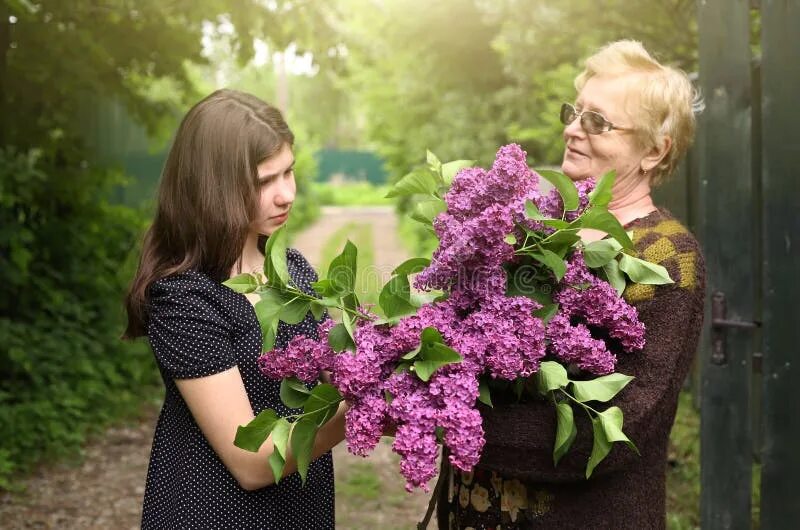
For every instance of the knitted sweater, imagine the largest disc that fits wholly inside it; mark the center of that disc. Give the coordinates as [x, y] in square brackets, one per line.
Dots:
[626, 490]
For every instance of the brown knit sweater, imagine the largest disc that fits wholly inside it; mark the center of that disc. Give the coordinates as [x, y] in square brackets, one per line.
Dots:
[625, 490]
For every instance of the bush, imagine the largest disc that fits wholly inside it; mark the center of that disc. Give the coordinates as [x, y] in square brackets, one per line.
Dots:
[65, 260]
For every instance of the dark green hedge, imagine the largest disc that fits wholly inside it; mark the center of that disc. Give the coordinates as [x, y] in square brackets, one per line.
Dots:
[66, 255]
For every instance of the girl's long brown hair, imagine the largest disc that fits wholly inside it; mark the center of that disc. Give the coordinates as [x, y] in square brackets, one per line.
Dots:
[207, 194]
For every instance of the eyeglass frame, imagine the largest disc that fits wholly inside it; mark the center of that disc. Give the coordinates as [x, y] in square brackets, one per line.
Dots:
[607, 125]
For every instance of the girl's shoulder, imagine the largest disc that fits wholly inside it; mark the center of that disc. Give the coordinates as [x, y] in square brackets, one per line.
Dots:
[187, 284]
[192, 292]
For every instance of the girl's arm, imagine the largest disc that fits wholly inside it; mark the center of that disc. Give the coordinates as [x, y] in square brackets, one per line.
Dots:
[220, 405]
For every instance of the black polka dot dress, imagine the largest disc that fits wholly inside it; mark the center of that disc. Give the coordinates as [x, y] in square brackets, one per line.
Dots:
[198, 327]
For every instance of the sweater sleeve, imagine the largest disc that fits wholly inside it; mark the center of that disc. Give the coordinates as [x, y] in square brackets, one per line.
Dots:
[520, 436]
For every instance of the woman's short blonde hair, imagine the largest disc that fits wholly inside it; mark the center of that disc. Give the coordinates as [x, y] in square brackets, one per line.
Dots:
[663, 102]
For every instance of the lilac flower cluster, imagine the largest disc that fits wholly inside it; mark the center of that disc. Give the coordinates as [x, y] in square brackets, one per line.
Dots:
[496, 335]
[303, 358]
[584, 298]
[482, 209]
[551, 205]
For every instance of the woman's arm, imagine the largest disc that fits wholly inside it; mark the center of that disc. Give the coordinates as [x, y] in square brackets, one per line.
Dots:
[520, 436]
[220, 405]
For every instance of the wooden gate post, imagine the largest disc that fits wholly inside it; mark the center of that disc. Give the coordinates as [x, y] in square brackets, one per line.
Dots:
[780, 82]
[727, 208]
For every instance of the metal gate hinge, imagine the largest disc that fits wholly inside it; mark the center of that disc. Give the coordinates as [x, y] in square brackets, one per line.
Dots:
[719, 325]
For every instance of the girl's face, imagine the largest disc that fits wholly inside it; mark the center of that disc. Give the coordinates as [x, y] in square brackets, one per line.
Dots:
[276, 190]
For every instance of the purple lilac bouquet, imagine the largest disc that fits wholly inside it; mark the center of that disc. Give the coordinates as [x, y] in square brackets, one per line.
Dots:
[516, 297]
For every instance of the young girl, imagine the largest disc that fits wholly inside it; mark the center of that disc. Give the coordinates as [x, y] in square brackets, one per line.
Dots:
[228, 182]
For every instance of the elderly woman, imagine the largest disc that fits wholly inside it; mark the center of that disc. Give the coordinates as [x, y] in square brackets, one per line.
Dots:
[635, 116]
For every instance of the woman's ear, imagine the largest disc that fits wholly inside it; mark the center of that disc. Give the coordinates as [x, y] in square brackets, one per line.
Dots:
[656, 154]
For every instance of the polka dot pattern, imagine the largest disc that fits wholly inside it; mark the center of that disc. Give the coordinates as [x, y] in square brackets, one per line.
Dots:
[199, 327]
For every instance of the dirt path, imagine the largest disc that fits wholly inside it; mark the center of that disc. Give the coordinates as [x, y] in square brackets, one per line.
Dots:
[104, 490]
[389, 251]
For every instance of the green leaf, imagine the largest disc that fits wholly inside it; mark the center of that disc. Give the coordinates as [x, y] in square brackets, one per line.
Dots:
[426, 211]
[546, 312]
[412, 354]
[451, 169]
[560, 242]
[566, 188]
[340, 339]
[277, 463]
[269, 335]
[601, 194]
[267, 310]
[242, 283]
[251, 437]
[601, 219]
[395, 298]
[421, 181]
[598, 253]
[350, 302]
[611, 420]
[532, 211]
[342, 270]
[324, 398]
[411, 266]
[551, 376]
[280, 439]
[600, 389]
[295, 311]
[325, 288]
[275, 268]
[347, 320]
[294, 393]
[566, 431]
[433, 161]
[641, 271]
[433, 358]
[615, 276]
[280, 435]
[304, 433]
[558, 224]
[318, 310]
[600, 447]
[484, 394]
[330, 301]
[430, 336]
[511, 239]
[552, 261]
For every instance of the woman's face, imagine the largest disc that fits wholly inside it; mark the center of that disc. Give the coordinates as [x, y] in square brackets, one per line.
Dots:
[592, 155]
[276, 190]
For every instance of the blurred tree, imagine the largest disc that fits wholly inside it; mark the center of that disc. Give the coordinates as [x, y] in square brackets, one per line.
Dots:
[424, 76]
[65, 249]
[462, 77]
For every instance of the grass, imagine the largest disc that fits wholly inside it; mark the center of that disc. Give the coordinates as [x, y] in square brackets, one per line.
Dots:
[360, 484]
[351, 194]
[370, 492]
[683, 473]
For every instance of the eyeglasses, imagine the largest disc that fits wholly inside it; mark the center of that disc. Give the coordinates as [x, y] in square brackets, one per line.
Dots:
[591, 121]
